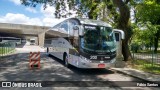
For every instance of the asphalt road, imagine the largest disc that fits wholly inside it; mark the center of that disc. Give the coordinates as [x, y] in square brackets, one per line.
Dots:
[15, 68]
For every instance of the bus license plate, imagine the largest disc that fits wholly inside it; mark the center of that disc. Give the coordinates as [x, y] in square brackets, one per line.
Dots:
[101, 65]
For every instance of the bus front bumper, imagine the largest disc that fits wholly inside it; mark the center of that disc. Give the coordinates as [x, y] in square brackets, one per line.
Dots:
[102, 65]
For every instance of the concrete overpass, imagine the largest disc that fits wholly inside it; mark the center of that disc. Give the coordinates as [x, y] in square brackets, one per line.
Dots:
[23, 31]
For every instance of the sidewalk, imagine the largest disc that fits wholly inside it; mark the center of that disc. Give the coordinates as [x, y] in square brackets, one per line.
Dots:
[138, 74]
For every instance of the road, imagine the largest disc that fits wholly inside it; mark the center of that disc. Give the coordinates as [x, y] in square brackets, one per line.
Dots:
[15, 68]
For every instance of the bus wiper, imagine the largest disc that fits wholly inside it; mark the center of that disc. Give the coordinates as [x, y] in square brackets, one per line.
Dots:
[108, 48]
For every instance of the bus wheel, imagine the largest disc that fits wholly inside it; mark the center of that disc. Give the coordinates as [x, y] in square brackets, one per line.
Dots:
[66, 60]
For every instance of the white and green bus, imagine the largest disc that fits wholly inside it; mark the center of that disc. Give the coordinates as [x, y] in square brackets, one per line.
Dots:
[88, 43]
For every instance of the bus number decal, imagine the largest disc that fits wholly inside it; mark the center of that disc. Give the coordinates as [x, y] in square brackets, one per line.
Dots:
[93, 57]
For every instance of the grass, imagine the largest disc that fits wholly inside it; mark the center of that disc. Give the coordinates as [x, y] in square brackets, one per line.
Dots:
[5, 50]
[147, 66]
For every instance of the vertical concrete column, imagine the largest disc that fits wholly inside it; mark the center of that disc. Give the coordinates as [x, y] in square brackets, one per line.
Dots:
[41, 38]
[36, 41]
[119, 49]
[119, 58]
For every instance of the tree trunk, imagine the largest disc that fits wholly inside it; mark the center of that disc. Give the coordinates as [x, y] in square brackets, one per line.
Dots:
[123, 23]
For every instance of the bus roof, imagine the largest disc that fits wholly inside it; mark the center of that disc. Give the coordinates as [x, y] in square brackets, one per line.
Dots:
[88, 21]
[93, 22]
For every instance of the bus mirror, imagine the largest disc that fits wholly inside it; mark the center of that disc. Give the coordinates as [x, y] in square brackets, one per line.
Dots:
[81, 32]
[0, 39]
[75, 27]
[121, 32]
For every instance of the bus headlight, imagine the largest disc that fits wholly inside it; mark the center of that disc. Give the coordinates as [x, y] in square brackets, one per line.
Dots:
[83, 59]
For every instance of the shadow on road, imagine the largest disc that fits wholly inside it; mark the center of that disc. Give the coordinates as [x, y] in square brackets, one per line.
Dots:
[20, 45]
[15, 68]
[84, 71]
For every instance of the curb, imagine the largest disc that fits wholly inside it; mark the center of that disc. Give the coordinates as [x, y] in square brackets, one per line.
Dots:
[147, 80]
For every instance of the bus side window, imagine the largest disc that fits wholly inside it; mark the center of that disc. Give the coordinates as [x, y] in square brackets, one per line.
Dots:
[48, 41]
[0, 39]
[65, 26]
[75, 43]
[71, 41]
[117, 36]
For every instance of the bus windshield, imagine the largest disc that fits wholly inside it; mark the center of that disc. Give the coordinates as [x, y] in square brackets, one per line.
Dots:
[98, 38]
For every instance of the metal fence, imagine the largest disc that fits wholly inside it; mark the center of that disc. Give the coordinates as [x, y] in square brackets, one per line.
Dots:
[153, 59]
[6, 48]
[146, 59]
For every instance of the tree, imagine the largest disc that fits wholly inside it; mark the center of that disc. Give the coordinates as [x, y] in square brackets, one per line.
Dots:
[143, 34]
[60, 6]
[124, 24]
[149, 11]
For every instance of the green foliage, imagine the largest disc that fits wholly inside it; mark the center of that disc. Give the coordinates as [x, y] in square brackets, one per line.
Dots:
[148, 31]
[91, 8]
[143, 33]
[60, 5]
[149, 10]
[110, 13]
[96, 7]
[147, 66]
[148, 18]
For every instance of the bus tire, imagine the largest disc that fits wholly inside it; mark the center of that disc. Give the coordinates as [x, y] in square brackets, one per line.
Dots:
[65, 59]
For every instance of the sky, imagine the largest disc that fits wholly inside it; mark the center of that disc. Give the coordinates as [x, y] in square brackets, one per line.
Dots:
[11, 11]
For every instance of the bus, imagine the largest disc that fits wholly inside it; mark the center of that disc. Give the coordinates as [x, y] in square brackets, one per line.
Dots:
[32, 41]
[10, 39]
[88, 44]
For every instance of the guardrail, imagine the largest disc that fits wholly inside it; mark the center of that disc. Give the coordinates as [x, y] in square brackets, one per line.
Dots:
[6, 48]
[146, 60]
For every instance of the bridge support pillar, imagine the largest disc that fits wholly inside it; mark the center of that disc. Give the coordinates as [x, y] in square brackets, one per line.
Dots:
[41, 38]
